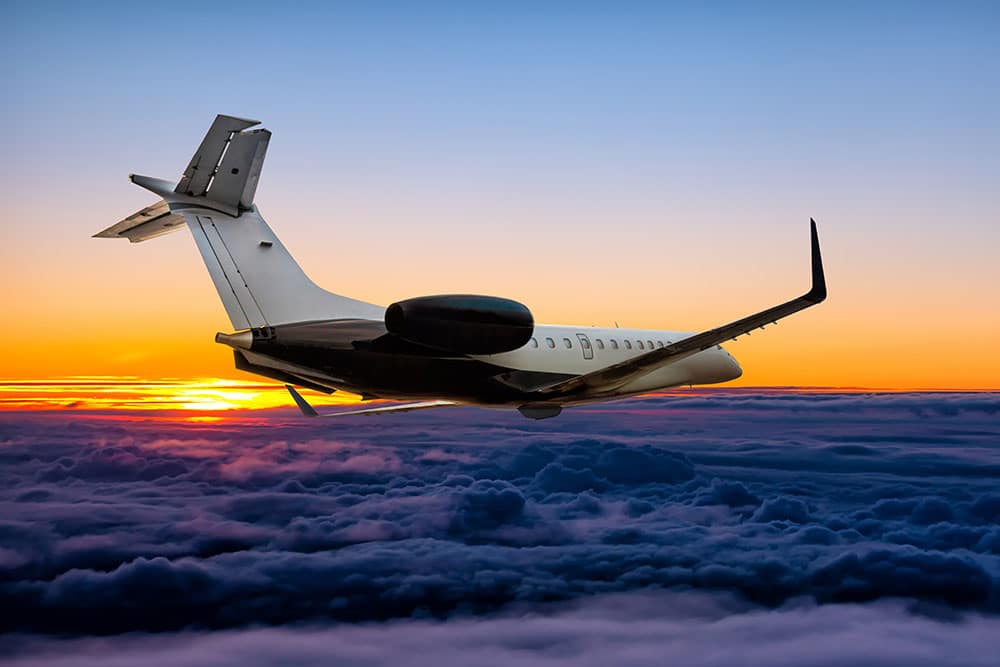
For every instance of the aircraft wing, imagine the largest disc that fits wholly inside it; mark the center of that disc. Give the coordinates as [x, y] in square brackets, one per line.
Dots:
[309, 411]
[617, 375]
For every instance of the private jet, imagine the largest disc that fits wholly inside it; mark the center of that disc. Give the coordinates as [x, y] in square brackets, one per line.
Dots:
[435, 351]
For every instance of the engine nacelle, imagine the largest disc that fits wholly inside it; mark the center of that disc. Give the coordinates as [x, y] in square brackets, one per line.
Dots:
[462, 323]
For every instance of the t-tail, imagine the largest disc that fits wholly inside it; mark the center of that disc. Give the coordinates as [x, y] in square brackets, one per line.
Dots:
[258, 280]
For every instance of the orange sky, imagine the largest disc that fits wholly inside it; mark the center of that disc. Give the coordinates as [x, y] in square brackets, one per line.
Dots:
[83, 306]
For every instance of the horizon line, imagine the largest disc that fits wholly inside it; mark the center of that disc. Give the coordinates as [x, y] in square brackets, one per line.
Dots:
[219, 396]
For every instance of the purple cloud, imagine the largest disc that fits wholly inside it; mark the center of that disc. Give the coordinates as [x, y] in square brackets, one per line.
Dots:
[151, 526]
[631, 630]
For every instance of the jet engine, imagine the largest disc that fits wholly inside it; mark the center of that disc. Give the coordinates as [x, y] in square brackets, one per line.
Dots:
[461, 323]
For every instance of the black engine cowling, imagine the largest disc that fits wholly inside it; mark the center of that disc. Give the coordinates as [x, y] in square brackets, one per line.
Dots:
[462, 323]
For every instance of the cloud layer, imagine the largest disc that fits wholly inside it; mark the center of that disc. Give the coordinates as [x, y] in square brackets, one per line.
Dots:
[626, 629]
[111, 526]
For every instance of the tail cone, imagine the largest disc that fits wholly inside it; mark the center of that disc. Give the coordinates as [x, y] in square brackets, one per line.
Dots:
[241, 340]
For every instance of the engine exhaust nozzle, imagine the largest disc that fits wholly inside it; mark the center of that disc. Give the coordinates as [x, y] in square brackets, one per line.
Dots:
[241, 340]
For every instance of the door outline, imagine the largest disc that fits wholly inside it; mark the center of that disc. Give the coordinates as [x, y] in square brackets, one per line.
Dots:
[585, 345]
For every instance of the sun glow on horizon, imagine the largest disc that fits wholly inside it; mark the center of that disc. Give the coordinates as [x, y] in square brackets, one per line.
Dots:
[202, 395]
[212, 400]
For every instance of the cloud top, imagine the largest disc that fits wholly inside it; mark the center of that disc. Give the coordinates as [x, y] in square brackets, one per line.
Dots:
[149, 526]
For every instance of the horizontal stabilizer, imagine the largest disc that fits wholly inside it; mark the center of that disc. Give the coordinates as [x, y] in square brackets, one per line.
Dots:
[309, 411]
[150, 222]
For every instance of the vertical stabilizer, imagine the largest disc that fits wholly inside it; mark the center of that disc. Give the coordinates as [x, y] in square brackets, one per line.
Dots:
[258, 280]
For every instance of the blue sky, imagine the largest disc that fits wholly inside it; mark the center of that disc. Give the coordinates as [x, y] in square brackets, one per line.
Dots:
[770, 95]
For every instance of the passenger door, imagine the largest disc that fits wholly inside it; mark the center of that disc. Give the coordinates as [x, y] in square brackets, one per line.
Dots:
[588, 350]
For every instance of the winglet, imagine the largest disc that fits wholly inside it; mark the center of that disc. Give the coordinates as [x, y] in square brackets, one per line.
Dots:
[818, 291]
[617, 375]
[307, 410]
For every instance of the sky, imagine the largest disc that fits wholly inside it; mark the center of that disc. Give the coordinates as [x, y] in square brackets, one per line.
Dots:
[652, 164]
[709, 529]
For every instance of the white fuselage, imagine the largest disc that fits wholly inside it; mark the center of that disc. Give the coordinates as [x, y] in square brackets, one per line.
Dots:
[575, 350]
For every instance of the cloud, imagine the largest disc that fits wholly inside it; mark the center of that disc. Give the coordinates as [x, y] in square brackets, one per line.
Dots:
[782, 509]
[631, 630]
[113, 526]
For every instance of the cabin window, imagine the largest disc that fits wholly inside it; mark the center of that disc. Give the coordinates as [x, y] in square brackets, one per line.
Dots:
[614, 344]
[650, 344]
[641, 346]
[628, 345]
[600, 344]
[568, 343]
[585, 343]
[551, 343]
[659, 343]
[534, 343]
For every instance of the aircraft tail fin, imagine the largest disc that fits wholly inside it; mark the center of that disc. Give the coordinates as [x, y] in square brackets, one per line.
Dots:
[258, 280]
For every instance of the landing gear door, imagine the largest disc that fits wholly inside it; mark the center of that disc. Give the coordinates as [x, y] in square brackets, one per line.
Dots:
[588, 350]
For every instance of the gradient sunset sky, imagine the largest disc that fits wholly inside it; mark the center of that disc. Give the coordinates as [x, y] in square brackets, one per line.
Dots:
[651, 164]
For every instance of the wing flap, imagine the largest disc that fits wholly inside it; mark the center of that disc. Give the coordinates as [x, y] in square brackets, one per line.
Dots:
[617, 375]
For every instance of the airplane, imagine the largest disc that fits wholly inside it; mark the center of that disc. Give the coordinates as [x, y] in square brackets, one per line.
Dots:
[437, 351]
